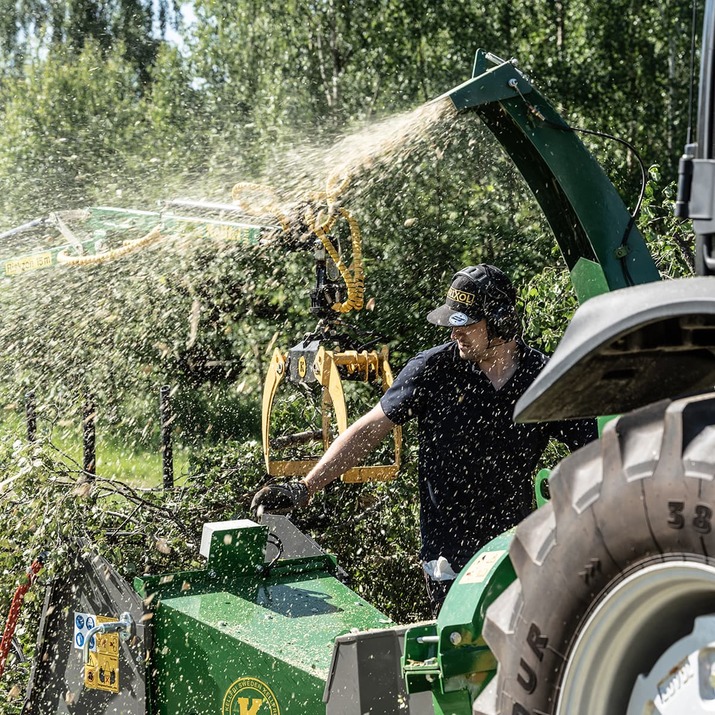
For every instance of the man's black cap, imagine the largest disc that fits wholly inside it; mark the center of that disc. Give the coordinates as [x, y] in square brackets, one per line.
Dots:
[473, 292]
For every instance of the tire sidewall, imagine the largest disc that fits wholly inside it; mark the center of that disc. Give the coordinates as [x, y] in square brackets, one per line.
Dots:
[619, 504]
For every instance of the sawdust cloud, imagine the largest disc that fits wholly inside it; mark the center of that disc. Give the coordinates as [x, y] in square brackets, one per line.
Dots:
[362, 157]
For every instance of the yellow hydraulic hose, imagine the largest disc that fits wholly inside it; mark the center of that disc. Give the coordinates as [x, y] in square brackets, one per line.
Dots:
[259, 198]
[354, 276]
[125, 249]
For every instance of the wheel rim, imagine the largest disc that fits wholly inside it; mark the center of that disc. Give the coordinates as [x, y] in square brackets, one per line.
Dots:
[641, 650]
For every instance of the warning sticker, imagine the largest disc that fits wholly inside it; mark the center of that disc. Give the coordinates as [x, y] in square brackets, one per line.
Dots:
[102, 671]
[480, 568]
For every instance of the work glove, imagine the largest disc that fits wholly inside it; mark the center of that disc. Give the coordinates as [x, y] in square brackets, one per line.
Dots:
[280, 497]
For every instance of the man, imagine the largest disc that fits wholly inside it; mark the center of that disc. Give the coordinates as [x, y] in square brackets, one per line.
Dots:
[475, 464]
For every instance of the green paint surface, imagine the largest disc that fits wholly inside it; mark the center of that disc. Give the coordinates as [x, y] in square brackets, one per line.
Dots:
[278, 632]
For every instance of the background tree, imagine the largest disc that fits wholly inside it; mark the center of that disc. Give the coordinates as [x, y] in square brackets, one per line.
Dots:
[31, 28]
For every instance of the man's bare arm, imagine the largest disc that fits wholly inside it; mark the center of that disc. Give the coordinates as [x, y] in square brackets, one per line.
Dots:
[350, 448]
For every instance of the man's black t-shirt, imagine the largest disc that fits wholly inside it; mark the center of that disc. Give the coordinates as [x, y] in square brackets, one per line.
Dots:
[475, 464]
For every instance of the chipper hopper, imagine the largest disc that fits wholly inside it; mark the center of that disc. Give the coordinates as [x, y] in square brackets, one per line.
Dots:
[266, 627]
[601, 602]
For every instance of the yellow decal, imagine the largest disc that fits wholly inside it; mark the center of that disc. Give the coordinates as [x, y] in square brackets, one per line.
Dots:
[228, 233]
[16, 266]
[102, 671]
[302, 366]
[460, 296]
[249, 696]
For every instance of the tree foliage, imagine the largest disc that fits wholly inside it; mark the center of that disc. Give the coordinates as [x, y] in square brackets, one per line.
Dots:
[98, 109]
[36, 28]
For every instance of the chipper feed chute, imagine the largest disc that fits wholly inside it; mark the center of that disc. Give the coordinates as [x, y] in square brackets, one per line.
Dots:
[78, 670]
[266, 627]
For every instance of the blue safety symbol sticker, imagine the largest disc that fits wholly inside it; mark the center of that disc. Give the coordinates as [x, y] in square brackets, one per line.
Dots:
[83, 624]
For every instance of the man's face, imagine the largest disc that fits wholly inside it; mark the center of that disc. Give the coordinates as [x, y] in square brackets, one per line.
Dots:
[472, 340]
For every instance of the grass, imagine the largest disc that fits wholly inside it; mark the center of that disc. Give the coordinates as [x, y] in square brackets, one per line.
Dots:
[134, 462]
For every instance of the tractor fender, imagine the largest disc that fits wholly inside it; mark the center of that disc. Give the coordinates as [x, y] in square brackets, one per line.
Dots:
[628, 348]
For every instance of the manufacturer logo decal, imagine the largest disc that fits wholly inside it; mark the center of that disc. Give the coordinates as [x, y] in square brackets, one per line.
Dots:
[16, 266]
[302, 366]
[458, 319]
[249, 696]
[460, 296]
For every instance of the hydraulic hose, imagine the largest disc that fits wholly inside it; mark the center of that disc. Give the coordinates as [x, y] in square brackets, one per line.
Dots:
[354, 276]
[14, 613]
[119, 252]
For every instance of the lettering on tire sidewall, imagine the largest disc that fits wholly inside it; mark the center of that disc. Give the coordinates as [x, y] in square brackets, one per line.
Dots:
[698, 517]
[249, 696]
[527, 677]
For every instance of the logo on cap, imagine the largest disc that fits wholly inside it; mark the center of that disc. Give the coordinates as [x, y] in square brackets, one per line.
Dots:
[458, 319]
[460, 296]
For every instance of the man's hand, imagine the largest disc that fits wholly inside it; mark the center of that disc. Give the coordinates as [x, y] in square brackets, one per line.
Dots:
[279, 498]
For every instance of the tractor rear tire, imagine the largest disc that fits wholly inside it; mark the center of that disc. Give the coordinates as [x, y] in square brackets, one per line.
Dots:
[613, 572]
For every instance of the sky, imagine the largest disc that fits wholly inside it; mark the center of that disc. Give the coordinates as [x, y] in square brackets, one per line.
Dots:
[188, 18]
